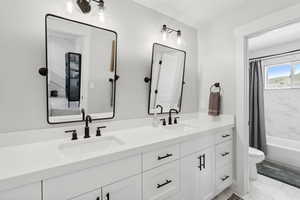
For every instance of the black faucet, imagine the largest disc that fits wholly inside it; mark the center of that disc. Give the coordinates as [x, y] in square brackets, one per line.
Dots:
[161, 108]
[83, 114]
[88, 119]
[170, 115]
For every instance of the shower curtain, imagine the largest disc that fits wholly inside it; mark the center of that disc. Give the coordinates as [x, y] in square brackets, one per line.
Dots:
[257, 128]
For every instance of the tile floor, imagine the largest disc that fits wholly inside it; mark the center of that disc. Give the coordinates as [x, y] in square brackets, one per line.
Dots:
[265, 188]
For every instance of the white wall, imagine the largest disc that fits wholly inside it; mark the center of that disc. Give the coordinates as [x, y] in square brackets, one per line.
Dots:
[22, 50]
[217, 47]
[275, 49]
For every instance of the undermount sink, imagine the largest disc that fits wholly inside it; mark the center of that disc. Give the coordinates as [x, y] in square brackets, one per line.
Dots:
[91, 145]
[178, 128]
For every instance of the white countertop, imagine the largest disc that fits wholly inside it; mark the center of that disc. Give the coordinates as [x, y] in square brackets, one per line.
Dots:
[28, 163]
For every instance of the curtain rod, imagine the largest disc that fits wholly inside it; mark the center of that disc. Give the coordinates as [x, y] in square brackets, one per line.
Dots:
[275, 55]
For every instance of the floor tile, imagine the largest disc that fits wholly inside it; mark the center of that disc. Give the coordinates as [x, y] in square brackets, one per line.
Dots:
[265, 188]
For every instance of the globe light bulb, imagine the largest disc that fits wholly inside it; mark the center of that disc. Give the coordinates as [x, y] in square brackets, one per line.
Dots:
[70, 6]
[101, 15]
[164, 32]
[179, 37]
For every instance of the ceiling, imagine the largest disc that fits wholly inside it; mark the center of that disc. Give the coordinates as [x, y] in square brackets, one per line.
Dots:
[197, 12]
[284, 35]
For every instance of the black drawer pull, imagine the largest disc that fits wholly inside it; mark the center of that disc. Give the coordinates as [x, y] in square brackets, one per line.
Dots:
[164, 184]
[225, 178]
[225, 154]
[202, 162]
[226, 136]
[164, 157]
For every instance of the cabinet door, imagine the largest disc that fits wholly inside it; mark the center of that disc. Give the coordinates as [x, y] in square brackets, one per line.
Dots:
[197, 175]
[127, 189]
[32, 192]
[206, 176]
[95, 195]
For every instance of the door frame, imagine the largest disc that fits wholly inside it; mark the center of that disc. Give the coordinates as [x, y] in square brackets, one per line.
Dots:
[242, 34]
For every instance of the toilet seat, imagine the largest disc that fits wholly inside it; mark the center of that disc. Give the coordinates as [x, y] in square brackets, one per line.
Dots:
[255, 156]
[255, 152]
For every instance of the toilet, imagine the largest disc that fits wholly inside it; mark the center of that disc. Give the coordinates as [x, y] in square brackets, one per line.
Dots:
[255, 156]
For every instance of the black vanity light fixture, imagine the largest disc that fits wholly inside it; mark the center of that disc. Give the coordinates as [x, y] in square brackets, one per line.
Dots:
[167, 30]
[85, 7]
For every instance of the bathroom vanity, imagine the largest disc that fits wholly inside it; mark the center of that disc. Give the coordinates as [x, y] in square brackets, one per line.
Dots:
[191, 160]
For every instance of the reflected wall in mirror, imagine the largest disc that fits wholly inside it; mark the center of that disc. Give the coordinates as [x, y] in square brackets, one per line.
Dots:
[167, 78]
[81, 65]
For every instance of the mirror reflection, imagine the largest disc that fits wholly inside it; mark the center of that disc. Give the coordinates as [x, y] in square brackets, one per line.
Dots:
[81, 63]
[167, 77]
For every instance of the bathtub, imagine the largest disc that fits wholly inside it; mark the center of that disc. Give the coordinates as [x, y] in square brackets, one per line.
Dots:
[284, 151]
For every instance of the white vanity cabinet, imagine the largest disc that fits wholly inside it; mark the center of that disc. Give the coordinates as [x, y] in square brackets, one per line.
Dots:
[30, 192]
[206, 166]
[94, 195]
[197, 167]
[197, 175]
[224, 157]
[161, 173]
[130, 188]
[79, 183]
[162, 183]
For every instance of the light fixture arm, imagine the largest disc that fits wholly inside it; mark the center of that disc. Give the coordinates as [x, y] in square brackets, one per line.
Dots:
[169, 30]
[100, 2]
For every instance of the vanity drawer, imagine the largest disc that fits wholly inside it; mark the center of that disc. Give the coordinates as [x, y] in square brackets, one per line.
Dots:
[224, 154]
[162, 182]
[72, 185]
[224, 136]
[158, 157]
[197, 144]
[223, 178]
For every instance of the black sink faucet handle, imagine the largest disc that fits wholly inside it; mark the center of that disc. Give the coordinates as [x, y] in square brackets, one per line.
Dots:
[164, 123]
[176, 120]
[99, 130]
[74, 134]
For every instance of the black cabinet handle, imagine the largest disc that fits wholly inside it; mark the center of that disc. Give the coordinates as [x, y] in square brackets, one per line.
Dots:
[164, 123]
[225, 178]
[226, 136]
[164, 157]
[107, 196]
[164, 184]
[176, 120]
[202, 162]
[225, 154]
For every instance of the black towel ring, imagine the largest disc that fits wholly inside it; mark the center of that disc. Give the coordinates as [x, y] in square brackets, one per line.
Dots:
[216, 85]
